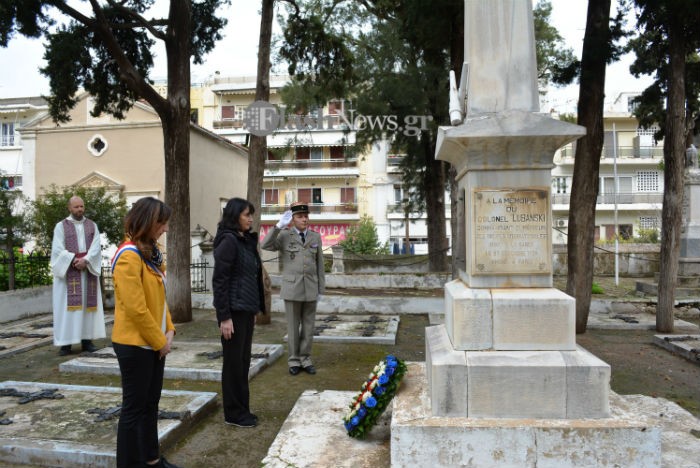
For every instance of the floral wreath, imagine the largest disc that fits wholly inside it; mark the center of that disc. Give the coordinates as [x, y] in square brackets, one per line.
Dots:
[375, 396]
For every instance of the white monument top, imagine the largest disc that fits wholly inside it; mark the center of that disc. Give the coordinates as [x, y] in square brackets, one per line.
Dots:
[499, 45]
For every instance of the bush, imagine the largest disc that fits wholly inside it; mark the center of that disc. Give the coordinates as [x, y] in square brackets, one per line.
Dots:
[647, 236]
[363, 239]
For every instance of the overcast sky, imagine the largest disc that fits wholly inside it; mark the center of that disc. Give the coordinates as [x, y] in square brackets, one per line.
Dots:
[236, 54]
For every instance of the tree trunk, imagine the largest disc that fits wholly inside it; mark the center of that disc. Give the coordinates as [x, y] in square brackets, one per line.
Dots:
[459, 254]
[435, 209]
[258, 144]
[176, 140]
[674, 161]
[584, 188]
[177, 195]
[9, 239]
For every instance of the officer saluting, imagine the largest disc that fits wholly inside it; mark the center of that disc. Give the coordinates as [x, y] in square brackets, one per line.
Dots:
[303, 280]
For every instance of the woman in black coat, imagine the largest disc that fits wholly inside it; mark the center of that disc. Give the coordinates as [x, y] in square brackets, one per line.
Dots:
[238, 296]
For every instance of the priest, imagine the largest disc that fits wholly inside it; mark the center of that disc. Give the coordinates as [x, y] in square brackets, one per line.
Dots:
[76, 259]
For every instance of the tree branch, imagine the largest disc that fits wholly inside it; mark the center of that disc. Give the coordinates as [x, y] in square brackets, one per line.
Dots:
[140, 20]
[128, 72]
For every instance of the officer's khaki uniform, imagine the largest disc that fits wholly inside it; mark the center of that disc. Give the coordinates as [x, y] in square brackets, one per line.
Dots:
[303, 279]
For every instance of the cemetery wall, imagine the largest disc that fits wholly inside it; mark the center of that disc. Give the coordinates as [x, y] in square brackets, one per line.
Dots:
[22, 303]
[635, 260]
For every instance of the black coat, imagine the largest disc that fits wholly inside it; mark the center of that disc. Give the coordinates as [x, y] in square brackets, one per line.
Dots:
[237, 280]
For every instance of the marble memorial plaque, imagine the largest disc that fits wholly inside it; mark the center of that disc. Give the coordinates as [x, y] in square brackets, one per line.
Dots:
[511, 232]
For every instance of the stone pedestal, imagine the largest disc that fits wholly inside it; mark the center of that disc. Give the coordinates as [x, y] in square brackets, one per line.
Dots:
[418, 438]
[514, 384]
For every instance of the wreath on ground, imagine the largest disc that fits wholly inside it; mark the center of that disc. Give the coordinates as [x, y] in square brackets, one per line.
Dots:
[375, 396]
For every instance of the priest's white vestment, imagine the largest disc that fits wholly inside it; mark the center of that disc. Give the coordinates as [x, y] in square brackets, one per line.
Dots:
[72, 326]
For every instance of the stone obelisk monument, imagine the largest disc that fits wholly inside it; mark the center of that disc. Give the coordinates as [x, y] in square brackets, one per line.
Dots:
[505, 383]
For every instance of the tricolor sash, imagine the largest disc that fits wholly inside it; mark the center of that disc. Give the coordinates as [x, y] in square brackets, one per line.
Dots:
[128, 245]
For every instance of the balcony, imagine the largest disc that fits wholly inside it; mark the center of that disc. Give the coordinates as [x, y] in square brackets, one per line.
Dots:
[623, 152]
[228, 123]
[623, 198]
[314, 208]
[395, 208]
[292, 164]
[393, 162]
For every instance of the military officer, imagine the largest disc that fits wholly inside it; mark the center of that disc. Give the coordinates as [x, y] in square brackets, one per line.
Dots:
[303, 280]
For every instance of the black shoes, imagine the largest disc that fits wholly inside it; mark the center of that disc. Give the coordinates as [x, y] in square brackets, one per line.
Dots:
[247, 421]
[294, 370]
[89, 347]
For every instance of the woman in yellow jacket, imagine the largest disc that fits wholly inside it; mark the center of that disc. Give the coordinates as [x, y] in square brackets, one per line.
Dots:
[142, 334]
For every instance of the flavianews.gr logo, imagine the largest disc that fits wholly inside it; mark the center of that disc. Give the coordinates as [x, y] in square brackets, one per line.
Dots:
[262, 118]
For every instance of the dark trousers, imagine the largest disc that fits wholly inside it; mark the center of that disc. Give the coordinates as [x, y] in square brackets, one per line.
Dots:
[142, 381]
[234, 373]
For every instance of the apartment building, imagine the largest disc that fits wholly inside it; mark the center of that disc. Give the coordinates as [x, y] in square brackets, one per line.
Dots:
[312, 157]
[631, 177]
[15, 113]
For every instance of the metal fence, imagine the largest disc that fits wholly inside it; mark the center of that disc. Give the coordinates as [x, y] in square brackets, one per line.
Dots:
[34, 270]
[29, 271]
[198, 277]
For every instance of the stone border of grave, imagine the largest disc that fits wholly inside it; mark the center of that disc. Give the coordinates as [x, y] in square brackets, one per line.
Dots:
[687, 346]
[49, 452]
[386, 338]
[106, 366]
[27, 322]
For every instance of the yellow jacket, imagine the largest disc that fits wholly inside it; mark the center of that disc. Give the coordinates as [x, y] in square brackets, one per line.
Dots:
[139, 296]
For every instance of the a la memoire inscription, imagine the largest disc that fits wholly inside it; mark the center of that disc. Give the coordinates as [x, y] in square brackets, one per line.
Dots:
[511, 232]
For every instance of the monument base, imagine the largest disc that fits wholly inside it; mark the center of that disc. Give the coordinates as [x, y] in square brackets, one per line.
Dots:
[514, 384]
[420, 439]
[515, 319]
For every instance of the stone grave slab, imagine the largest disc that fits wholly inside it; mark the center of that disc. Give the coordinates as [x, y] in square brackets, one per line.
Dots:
[76, 430]
[355, 328]
[188, 360]
[687, 346]
[639, 320]
[313, 435]
[25, 334]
